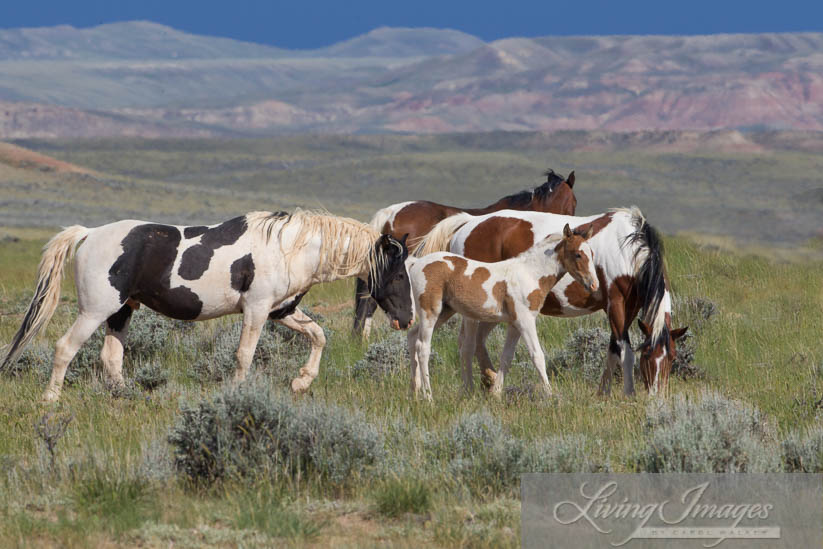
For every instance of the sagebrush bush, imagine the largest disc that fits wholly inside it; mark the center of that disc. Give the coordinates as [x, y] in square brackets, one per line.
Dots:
[149, 333]
[584, 351]
[216, 359]
[150, 376]
[707, 434]
[254, 430]
[384, 357]
[803, 452]
[693, 311]
[480, 453]
[387, 356]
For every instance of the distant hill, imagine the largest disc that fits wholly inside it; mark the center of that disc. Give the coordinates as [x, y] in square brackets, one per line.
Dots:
[128, 40]
[140, 78]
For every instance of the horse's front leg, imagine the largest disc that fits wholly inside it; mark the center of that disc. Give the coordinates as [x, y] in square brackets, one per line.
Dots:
[414, 365]
[254, 318]
[528, 329]
[302, 323]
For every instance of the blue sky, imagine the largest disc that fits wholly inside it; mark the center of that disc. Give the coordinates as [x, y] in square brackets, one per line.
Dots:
[315, 23]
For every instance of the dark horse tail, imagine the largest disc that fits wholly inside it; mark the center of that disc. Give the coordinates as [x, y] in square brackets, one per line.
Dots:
[650, 275]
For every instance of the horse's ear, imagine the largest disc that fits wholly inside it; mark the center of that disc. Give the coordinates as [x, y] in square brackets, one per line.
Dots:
[570, 180]
[644, 328]
[678, 333]
[589, 233]
[567, 232]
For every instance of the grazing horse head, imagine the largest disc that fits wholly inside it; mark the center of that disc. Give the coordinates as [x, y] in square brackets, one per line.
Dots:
[388, 281]
[657, 356]
[575, 255]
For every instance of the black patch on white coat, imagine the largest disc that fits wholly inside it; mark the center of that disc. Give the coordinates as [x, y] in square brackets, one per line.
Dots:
[242, 273]
[117, 321]
[286, 309]
[196, 260]
[143, 272]
[191, 232]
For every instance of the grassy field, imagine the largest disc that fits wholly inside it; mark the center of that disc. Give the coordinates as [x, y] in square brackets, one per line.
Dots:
[379, 469]
[110, 479]
[771, 196]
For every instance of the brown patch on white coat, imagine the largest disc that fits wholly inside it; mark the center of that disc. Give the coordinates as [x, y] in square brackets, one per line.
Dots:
[510, 291]
[629, 266]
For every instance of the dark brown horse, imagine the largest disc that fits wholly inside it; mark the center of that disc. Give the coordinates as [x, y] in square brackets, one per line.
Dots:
[628, 257]
[416, 219]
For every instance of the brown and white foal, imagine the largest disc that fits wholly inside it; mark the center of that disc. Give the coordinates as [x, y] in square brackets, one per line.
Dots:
[509, 291]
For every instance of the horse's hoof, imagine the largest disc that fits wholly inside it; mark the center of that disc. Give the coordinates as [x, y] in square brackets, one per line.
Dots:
[50, 397]
[300, 385]
[487, 378]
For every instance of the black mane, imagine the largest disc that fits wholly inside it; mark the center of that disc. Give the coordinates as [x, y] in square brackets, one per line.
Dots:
[651, 278]
[523, 198]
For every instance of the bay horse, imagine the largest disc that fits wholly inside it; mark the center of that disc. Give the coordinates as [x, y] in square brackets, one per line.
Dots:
[628, 256]
[260, 265]
[509, 291]
[419, 217]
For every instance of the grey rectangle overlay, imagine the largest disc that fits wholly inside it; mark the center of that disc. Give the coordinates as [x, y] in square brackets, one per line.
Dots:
[672, 510]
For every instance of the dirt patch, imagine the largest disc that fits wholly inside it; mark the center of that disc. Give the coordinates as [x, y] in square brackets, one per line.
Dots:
[19, 157]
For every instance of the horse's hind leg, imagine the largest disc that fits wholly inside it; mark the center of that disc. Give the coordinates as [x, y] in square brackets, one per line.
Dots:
[468, 332]
[117, 327]
[67, 346]
[484, 361]
[302, 323]
[512, 337]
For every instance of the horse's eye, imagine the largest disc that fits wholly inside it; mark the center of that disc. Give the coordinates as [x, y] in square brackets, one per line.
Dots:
[578, 255]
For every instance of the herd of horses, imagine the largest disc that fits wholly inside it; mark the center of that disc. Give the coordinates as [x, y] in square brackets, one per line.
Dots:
[524, 255]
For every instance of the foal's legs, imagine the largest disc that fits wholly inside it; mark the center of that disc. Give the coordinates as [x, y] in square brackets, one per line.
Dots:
[512, 336]
[422, 346]
[414, 365]
[67, 346]
[484, 362]
[528, 329]
[468, 329]
[301, 322]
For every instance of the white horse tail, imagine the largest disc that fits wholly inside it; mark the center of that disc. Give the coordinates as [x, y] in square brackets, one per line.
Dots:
[440, 237]
[47, 293]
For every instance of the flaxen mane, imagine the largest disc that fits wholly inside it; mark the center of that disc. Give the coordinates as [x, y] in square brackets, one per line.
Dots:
[333, 230]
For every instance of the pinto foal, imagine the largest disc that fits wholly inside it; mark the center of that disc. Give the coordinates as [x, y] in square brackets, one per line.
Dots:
[509, 291]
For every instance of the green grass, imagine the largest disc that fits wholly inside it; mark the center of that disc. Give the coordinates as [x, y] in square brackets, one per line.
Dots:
[110, 482]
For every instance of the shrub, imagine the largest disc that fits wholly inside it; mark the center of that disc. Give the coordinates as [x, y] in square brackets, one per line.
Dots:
[217, 361]
[384, 357]
[397, 496]
[151, 376]
[804, 453]
[584, 351]
[387, 356]
[255, 430]
[705, 435]
[480, 453]
[693, 311]
[148, 334]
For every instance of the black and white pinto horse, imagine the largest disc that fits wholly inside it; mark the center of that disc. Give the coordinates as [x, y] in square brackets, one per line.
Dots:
[260, 265]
